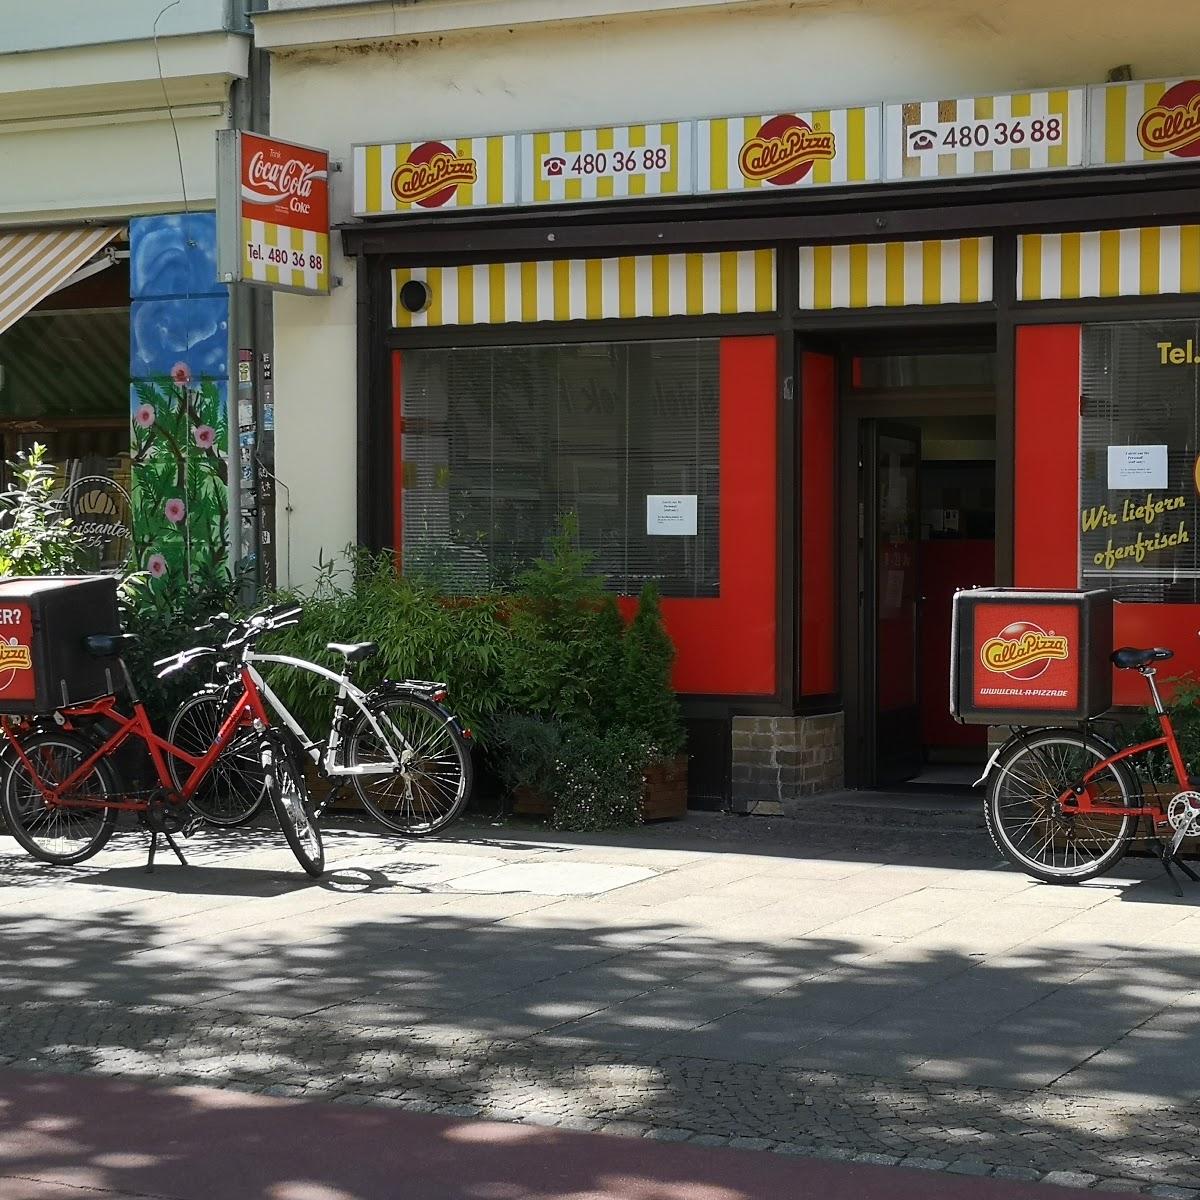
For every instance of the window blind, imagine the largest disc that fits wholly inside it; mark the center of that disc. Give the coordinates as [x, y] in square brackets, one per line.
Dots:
[498, 442]
[1138, 526]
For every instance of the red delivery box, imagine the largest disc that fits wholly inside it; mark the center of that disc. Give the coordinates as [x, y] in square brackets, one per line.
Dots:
[1019, 656]
[43, 621]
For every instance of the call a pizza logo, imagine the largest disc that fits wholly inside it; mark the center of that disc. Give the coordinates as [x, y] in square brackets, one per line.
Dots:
[1172, 126]
[430, 174]
[14, 657]
[1023, 650]
[783, 151]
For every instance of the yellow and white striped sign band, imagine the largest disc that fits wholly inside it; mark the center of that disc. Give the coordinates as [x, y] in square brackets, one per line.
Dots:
[428, 177]
[772, 150]
[1150, 121]
[602, 164]
[285, 257]
[594, 289]
[895, 274]
[1161, 260]
[984, 135]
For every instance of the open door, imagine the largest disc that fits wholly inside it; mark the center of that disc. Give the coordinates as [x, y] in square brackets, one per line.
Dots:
[889, 556]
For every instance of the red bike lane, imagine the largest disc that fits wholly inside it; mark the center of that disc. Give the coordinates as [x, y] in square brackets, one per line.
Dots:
[84, 1137]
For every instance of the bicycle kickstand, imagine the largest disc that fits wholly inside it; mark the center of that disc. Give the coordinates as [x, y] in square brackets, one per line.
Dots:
[1168, 853]
[154, 846]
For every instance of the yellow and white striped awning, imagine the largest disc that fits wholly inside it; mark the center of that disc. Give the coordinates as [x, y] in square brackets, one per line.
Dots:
[1160, 260]
[591, 289]
[896, 274]
[34, 262]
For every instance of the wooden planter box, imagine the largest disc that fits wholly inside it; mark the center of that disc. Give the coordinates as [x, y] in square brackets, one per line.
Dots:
[664, 793]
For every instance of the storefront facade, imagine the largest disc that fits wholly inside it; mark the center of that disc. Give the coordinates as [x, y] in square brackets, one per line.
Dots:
[114, 329]
[808, 355]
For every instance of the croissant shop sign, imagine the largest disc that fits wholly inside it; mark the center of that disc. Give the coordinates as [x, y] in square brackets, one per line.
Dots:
[272, 213]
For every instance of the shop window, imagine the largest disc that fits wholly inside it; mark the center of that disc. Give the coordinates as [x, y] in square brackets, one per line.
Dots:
[64, 382]
[498, 442]
[1139, 465]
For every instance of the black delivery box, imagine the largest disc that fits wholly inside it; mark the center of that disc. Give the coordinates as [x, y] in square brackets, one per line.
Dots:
[1020, 656]
[43, 621]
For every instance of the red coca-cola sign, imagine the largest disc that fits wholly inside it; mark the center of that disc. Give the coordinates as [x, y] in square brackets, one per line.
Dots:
[284, 184]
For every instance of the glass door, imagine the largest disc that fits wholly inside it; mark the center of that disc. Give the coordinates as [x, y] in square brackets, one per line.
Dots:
[891, 462]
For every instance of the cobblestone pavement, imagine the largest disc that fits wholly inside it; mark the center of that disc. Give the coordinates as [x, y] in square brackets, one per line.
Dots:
[831, 988]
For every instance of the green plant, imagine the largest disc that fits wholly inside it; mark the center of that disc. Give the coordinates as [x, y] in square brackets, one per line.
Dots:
[164, 618]
[599, 777]
[552, 618]
[1185, 717]
[420, 633]
[649, 704]
[36, 535]
[528, 751]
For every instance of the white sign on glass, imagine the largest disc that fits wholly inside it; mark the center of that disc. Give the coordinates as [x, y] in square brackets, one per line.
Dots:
[1137, 467]
[671, 516]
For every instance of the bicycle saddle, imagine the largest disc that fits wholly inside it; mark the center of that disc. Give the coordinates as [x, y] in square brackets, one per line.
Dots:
[109, 645]
[354, 651]
[1130, 658]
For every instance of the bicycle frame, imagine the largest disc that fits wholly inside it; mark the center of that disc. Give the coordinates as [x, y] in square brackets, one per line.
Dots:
[248, 710]
[346, 691]
[1081, 798]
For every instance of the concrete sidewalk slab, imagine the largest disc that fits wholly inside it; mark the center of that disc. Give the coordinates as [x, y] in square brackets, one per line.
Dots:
[88, 1138]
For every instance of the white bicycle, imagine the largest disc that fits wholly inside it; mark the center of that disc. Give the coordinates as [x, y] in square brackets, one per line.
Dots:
[404, 752]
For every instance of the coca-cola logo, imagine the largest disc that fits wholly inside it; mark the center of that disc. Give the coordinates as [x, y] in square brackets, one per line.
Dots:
[287, 181]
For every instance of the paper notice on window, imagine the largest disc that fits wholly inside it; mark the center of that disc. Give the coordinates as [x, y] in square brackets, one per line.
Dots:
[671, 516]
[1135, 467]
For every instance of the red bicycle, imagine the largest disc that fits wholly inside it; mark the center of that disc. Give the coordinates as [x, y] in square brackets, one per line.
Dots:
[1064, 804]
[64, 789]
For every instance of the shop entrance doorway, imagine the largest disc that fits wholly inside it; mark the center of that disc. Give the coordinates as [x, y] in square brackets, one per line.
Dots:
[918, 436]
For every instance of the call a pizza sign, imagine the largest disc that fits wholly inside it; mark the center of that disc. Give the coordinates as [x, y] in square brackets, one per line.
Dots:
[1150, 121]
[934, 137]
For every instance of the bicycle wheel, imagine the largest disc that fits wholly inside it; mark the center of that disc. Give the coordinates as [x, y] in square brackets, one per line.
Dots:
[433, 783]
[289, 796]
[53, 833]
[234, 789]
[1030, 827]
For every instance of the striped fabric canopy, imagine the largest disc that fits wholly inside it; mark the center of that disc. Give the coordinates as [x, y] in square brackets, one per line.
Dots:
[34, 262]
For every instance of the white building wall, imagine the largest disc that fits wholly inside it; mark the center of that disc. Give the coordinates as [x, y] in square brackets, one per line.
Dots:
[735, 59]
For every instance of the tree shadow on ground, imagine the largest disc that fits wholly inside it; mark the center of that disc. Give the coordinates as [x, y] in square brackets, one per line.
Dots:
[793, 1013]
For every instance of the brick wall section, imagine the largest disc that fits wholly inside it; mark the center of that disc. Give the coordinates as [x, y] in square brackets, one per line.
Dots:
[778, 759]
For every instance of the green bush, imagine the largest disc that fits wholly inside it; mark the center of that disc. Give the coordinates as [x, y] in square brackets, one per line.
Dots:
[1185, 717]
[649, 704]
[591, 704]
[598, 781]
[36, 535]
[164, 619]
[421, 635]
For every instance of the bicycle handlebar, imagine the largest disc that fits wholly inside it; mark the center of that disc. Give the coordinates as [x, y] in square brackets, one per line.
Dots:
[177, 662]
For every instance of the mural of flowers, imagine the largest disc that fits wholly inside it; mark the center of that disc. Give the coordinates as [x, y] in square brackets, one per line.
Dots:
[180, 500]
[178, 402]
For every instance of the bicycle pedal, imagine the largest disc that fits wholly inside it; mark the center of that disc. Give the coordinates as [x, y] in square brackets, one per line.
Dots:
[193, 826]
